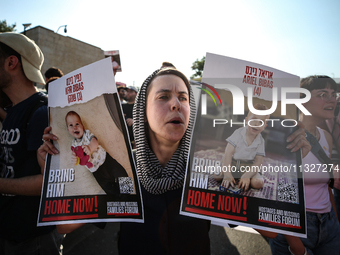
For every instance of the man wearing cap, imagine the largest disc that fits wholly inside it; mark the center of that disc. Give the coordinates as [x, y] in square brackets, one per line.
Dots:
[20, 174]
[122, 94]
[127, 109]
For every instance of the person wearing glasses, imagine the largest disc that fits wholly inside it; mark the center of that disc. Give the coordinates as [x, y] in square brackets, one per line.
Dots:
[323, 229]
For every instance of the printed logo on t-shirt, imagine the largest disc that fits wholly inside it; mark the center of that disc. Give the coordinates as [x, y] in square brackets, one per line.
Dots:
[10, 137]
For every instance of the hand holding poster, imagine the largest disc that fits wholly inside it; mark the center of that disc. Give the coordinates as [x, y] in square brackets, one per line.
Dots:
[93, 178]
[240, 170]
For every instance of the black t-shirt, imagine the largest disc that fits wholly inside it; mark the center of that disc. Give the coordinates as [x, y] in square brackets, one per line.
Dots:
[127, 110]
[18, 158]
[164, 230]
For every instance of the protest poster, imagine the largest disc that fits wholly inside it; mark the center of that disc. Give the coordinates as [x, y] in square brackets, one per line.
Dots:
[93, 178]
[229, 141]
[115, 59]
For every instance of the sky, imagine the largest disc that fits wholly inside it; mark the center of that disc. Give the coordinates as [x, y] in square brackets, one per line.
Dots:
[296, 36]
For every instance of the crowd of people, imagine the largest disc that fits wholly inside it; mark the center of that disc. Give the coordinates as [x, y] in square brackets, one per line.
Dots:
[160, 119]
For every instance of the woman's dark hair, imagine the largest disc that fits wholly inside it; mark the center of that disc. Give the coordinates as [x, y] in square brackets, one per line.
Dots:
[53, 72]
[49, 81]
[173, 71]
[6, 51]
[318, 82]
[166, 64]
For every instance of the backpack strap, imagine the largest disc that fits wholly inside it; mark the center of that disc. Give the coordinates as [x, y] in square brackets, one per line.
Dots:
[42, 100]
[31, 110]
[318, 151]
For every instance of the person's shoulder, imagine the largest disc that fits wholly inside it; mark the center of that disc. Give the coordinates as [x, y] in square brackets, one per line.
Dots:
[88, 134]
[325, 132]
[35, 121]
[38, 96]
[328, 136]
[38, 108]
[87, 131]
[240, 131]
[234, 137]
[39, 113]
[127, 105]
[124, 106]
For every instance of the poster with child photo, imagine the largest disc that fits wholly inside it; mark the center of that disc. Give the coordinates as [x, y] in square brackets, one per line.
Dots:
[93, 178]
[240, 171]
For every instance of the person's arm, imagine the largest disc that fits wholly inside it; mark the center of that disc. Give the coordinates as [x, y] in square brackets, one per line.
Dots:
[331, 198]
[30, 185]
[228, 178]
[297, 140]
[219, 176]
[91, 147]
[24, 186]
[68, 228]
[266, 233]
[329, 140]
[74, 158]
[46, 147]
[129, 122]
[245, 178]
[295, 245]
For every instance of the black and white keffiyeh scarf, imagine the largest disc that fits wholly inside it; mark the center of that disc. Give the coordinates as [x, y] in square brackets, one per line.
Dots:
[155, 178]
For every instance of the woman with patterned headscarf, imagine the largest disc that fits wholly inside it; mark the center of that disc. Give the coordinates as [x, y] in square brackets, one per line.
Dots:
[163, 121]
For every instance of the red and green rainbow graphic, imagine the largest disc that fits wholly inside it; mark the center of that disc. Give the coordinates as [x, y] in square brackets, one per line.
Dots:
[212, 89]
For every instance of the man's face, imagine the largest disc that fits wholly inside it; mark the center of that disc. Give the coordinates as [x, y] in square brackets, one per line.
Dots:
[131, 95]
[122, 94]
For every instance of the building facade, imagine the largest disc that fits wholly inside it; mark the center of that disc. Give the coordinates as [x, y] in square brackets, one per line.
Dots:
[63, 52]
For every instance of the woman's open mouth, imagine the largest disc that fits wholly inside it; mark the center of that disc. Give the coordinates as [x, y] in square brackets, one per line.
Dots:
[176, 121]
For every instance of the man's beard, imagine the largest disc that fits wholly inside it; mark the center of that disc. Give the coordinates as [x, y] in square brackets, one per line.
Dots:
[5, 81]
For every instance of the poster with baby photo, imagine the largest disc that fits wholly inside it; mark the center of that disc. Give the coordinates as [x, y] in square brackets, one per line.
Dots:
[240, 169]
[93, 178]
[115, 60]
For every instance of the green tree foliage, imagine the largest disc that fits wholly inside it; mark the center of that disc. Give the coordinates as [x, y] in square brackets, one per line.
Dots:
[197, 67]
[6, 28]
